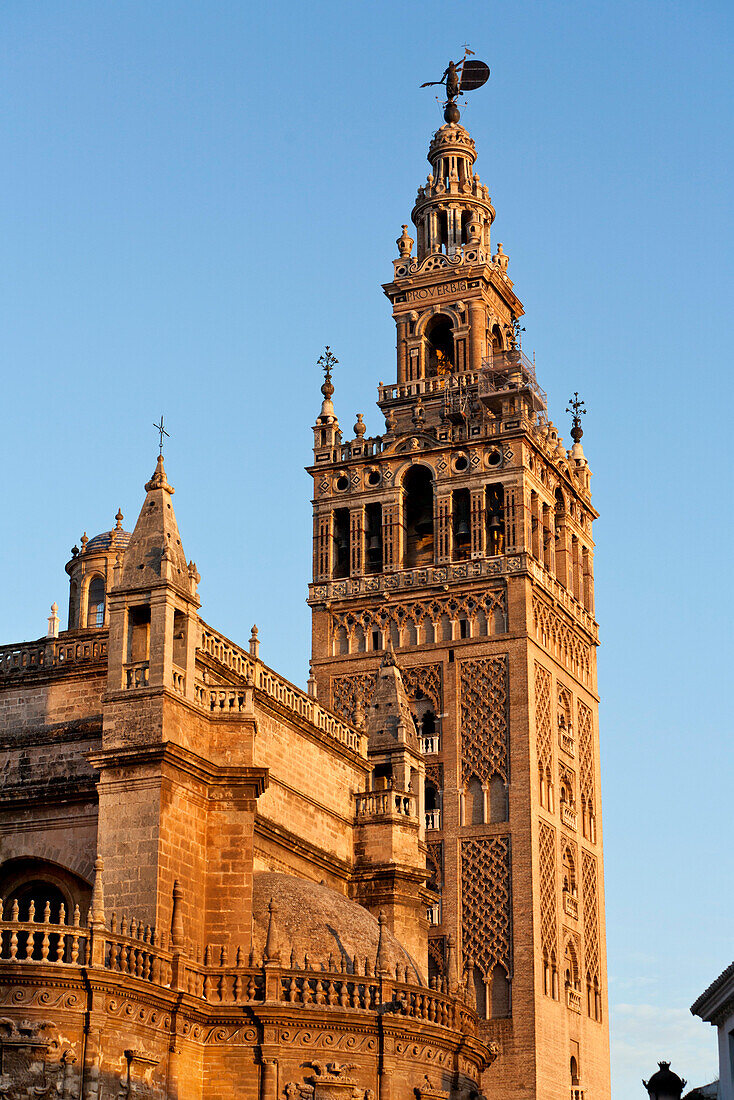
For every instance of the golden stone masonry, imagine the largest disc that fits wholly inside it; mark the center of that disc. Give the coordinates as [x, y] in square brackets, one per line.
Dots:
[215, 885]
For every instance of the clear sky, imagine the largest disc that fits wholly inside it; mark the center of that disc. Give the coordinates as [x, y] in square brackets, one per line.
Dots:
[197, 196]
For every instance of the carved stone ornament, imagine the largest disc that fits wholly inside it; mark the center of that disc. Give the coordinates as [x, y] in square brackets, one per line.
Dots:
[428, 1091]
[331, 1081]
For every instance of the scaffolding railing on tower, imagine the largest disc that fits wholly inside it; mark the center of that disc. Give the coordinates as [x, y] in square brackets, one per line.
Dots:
[510, 370]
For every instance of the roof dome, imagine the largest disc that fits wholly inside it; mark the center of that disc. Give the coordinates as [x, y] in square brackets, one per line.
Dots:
[118, 539]
[315, 920]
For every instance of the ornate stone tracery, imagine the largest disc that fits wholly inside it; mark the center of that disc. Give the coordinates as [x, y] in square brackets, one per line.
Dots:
[591, 916]
[484, 719]
[586, 760]
[422, 621]
[559, 637]
[543, 724]
[548, 893]
[486, 903]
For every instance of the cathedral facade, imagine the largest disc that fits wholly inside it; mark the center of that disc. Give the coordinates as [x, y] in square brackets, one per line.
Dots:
[216, 885]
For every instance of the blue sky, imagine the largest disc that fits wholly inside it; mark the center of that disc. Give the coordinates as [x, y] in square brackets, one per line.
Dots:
[197, 196]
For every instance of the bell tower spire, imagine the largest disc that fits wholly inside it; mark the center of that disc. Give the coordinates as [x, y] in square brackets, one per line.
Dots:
[461, 537]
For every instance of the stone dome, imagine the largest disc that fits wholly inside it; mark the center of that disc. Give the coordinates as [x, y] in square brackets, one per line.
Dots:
[315, 920]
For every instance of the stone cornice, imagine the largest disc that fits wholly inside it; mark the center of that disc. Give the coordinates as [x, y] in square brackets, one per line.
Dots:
[176, 758]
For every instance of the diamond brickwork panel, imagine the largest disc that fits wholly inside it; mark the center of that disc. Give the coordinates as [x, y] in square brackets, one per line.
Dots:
[484, 719]
[486, 903]
[548, 891]
[589, 884]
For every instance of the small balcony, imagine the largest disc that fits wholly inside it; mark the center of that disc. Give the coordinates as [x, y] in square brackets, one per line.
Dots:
[430, 744]
[136, 675]
[577, 1093]
[570, 905]
[566, 741]
[573, 999]
[568, 816]
[433, 819]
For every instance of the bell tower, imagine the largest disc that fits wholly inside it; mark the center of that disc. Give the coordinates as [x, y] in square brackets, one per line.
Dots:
[461, 538]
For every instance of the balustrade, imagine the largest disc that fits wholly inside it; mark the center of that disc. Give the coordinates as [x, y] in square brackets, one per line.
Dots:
[232, 698]
[433, 819]
[136, 675]
[433, 914]
[51, 653]
[385, 804]
[430, 744]
[570, 905]
[568, 816]
[573, 999]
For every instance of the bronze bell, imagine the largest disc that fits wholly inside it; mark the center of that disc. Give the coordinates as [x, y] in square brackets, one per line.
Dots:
[462, 530]
[374, 542]
[494, 523]
[424, 523]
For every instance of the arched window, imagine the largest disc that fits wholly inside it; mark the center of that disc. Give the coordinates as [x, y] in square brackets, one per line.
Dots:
[495, 519]
[574, 1071]
[497, 799]
[480, 993]
[500, 993]
[569, 873]
[95, 602]
[461, 523]
[35, 884]
[496, 339]
[341, 542]
[73, 605]
[571, 967]
[439, 346]
[418, 512]
[474, 814]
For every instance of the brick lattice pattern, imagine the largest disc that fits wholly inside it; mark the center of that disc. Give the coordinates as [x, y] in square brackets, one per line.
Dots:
[543, 724]
[548, 892]
[484, 726]
[591, 916]
[586, 755]
[486, 898]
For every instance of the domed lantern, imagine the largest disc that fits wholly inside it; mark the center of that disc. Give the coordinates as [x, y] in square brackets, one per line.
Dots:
[665, 1085]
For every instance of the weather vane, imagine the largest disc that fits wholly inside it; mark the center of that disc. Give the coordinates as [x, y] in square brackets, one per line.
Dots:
[161, 432]
[578, 409]
[458, 79]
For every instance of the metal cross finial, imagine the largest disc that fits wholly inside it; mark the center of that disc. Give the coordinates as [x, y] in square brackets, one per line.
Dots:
[578, 409]
[161, 432]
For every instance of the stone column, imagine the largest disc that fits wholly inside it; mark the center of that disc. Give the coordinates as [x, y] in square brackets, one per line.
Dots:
[443, 530]
[402, 350]
[356, 541]
[478, 525]
[477, 323]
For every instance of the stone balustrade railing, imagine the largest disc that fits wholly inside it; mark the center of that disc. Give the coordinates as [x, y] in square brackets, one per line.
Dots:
[48, 653]
[231, 699]
[138, 952]
[573, 999]
[388, 803]
[568, 816]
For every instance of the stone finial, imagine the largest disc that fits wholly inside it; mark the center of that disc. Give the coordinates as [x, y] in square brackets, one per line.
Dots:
[327, 362]
[360, 427]
[74, 551]
[272, 949]
[194, 577]
[84, 541]
[405, 243]
[381, 965]
[97, 906]
[452, 968]
[53, 622]
[118, 520]
[500, 258]
[254, 642]
[177, 925]
[390, 422]
[311, 685]
[419, 414]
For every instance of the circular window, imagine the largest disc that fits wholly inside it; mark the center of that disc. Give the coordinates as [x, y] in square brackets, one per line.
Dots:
[342, 483]
[373, 477]
[494, 458]
[461, 463]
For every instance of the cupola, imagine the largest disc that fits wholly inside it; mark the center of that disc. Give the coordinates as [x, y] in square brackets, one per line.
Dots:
[93, 571]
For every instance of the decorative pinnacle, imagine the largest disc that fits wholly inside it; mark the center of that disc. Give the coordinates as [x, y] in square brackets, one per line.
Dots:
[161, 432]
[118, 520]
[327, 362]
[578, 409]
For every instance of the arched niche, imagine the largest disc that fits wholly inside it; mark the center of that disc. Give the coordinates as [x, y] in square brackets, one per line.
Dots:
[418, 516]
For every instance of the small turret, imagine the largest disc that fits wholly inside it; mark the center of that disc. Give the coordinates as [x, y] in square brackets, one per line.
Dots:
[153, 607]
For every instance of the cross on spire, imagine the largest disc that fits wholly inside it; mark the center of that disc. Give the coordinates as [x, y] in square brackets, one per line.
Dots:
[161, 432]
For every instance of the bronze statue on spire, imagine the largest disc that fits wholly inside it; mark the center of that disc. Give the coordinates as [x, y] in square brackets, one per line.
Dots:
[458, 79]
